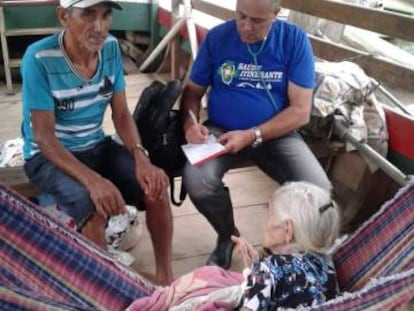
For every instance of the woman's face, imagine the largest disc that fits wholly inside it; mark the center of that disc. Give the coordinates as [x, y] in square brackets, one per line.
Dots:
[274, 233]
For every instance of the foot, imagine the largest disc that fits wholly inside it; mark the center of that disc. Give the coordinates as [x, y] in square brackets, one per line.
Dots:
[222, 254]
[163, 280]
[158, 280]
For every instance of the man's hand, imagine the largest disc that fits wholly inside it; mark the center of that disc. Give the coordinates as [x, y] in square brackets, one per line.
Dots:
[196, 133]
[152, 180]
[106, 197]
[249, 254]
[234, 141]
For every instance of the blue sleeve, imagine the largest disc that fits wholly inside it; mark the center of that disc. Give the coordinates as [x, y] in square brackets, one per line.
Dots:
[36, 94]
[119, 81]
[302, 65]
[202, 71]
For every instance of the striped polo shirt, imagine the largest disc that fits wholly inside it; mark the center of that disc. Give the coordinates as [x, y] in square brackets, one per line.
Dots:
[52, 83]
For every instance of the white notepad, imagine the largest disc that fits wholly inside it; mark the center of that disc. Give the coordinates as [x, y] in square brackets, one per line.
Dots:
[200, 153]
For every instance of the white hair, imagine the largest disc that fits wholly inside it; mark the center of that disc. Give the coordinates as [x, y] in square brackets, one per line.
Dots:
[315, 217]
[276, 4]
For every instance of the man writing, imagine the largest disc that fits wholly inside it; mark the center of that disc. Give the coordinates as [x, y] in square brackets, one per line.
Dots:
[261, 73]
[69, 79]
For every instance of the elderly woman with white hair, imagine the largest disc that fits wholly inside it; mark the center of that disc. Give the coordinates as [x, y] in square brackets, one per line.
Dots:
[302, 224]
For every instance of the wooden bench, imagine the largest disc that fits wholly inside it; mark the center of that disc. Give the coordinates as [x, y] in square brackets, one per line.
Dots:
[15, 178]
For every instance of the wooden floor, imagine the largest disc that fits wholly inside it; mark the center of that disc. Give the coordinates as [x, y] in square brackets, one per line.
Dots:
[193, 238]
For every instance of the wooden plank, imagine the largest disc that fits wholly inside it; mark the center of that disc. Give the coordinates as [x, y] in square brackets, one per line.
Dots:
[212, 9]
[380, 69]
[193, 250]
[253, 189]
[15, 178]
[8, 3]
[392, 24]
[383, 70]
[32, 32]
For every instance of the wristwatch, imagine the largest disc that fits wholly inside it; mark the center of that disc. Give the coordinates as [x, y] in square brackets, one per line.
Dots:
[140, 148]
[258, 139]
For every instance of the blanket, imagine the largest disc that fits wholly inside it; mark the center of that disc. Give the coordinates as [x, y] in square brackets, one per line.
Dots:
[195, 289]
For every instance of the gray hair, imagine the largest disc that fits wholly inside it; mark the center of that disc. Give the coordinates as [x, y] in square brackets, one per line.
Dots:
[276, 5]
[315, 217]
[70, 10]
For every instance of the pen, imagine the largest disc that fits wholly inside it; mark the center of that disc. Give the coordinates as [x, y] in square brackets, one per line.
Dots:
[192, 115]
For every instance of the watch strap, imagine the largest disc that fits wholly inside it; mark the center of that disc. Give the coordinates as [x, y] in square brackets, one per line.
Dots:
[140, 148]
[258, 139]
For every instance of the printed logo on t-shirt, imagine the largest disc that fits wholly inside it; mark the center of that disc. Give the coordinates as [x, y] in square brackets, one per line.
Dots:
[249, 75]
[65, 104]
[227, 71]
[106, 90]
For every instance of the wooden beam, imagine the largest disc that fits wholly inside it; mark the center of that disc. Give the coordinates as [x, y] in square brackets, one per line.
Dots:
[212, 9]
[392, 24]
[175, 46]
[380, 69]
[14, 3]
[377, 67]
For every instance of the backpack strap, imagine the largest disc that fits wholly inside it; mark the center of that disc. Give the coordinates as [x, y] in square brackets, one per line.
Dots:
[183, 193]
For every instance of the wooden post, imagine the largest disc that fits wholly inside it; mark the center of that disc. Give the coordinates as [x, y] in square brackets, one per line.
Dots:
[175, 48]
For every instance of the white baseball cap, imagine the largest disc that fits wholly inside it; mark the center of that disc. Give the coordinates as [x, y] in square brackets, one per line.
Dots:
[87, 3]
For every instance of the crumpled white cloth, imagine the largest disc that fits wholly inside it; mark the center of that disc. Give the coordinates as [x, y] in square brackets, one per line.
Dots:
[11, 153]
[117, 229]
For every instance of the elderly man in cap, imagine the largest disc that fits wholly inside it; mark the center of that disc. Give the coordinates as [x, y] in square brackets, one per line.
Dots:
[69, 79]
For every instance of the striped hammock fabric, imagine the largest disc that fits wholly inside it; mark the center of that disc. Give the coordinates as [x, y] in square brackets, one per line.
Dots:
[45, 264]
[383, 246]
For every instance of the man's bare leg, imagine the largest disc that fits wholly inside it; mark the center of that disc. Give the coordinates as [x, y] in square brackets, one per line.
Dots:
[159, 223]
[94, 230]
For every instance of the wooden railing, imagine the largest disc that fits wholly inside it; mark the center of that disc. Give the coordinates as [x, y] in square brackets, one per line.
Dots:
[14, 3]
[384, 22]
[38, 18]
[5, 33]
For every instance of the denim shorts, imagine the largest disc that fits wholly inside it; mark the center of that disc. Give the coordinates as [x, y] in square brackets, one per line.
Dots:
[109, 159]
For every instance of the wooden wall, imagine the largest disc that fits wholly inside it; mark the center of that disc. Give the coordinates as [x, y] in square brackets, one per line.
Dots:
[24, 14]
[384, 22]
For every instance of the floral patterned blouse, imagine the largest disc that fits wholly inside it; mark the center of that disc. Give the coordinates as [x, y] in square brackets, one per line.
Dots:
[289, 281]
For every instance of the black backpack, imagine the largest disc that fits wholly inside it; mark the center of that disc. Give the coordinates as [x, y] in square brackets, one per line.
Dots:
[161, 130]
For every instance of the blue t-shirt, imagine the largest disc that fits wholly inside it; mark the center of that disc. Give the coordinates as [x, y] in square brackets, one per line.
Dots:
[238, 99]
[51, 83]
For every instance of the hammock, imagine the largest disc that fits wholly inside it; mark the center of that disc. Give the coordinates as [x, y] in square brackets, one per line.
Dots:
[45, 266]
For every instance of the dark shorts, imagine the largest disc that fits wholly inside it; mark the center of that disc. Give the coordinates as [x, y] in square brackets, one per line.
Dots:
[109, 159]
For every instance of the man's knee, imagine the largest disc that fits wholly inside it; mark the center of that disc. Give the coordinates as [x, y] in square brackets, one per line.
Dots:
[199, 185]
[321, 179]
[77, 203]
